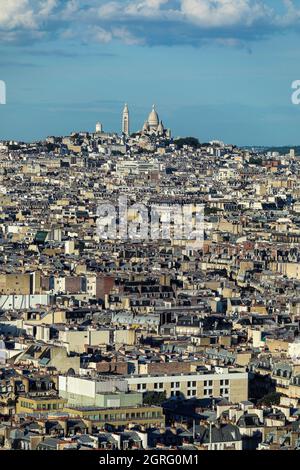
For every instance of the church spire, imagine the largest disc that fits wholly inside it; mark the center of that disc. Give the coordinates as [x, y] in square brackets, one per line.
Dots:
[125, 121]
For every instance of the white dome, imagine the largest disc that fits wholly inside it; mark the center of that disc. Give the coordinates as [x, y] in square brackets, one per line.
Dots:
[153, 119]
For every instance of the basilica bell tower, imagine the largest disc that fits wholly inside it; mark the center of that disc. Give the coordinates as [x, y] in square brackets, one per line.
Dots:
[125, 121]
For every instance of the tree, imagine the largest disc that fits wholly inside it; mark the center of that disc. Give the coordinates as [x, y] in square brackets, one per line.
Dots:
[256, 161]
[154, 398]
[190, 141]
[270, 399]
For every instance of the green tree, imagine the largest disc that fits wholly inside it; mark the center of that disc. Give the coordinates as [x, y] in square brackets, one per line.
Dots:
[255, 161]
[154, 398]
[190, 141]
[270, 399]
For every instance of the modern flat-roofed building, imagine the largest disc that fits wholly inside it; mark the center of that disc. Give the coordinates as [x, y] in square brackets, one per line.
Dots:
[231, 384]
[39, 404]
[143, 415]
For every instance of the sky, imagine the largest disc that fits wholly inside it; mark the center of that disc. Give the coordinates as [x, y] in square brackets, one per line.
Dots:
[215, 69]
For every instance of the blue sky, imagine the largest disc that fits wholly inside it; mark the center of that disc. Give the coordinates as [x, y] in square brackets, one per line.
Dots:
[216, 69]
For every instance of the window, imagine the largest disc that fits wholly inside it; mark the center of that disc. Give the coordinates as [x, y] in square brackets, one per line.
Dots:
[192, 384]
[141, 387]
[224, 382]
[158, 386]
[208, 383]
[175, 384]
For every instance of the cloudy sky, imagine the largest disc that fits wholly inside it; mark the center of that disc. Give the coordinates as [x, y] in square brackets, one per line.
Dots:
[216, 69]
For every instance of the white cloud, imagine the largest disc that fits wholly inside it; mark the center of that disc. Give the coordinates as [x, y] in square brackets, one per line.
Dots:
[147, 21]
[126, 37]
[101, 35]
[46, 8]
[24, 14]
[220, 13]
[145, 7]
[16, 13]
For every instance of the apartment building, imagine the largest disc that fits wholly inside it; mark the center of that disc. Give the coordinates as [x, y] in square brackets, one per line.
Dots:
[231, 384]
[39, 404]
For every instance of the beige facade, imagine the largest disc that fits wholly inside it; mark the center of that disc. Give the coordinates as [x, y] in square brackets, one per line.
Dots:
[277, 345]
[124, 337]
[230, 385]
[291, 270]
[20, 284]
[76, 341]
[49, 357]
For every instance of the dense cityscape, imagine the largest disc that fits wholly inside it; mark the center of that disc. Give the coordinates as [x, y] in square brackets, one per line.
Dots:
[126, 344]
